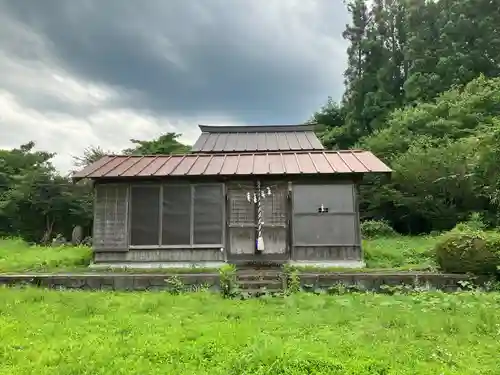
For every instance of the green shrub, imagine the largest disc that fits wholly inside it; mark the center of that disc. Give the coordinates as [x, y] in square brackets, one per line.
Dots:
[464, 250]
[400, 251]
[175, 285]
[228, 281]
[475, 222]
[377, 228]
[292, 279]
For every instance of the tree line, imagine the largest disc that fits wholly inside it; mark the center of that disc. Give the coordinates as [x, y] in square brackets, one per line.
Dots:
[422, 91]
[38, 203]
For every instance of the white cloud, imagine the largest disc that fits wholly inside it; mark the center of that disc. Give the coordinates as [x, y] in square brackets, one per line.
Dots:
[68, 136]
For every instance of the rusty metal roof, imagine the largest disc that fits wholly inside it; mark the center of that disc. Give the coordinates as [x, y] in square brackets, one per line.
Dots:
[257, 138]
[262, 163]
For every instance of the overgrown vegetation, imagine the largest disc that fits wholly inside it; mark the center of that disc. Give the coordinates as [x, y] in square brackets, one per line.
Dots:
[401, 252]
[291, 279]
[201, 333]
[228, 281]
[422, 92]
[469, 251]
[376, 228]
[176, 286]
[17, 256]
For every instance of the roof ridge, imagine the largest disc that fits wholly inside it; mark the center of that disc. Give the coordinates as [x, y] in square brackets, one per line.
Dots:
[255, 128]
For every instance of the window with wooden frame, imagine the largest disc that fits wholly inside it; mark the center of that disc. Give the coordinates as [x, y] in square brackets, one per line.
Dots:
[174, 215]
[208, 206]
[145, 213]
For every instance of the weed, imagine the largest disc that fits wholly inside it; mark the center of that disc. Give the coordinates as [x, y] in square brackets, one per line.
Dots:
[175, 285]
[228, 281]
[291, 279]
[377, 228]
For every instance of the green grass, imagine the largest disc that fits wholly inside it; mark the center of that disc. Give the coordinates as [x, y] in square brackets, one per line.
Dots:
[400, 252]
[396, 253]
[17, 256]
[59, 332]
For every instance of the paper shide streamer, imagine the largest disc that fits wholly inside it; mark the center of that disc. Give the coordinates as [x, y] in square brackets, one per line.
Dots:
[257, 199]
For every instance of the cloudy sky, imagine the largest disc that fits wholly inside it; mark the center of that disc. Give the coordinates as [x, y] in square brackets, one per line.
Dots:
[99, 72]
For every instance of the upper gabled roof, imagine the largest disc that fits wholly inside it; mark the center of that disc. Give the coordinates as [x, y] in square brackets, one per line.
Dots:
[256, 138]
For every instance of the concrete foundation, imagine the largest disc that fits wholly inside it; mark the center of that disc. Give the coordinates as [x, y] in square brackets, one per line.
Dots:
[330, 264]
[154, 265]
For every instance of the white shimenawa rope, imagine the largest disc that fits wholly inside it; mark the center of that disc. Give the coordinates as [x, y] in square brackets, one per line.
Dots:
[260, 219]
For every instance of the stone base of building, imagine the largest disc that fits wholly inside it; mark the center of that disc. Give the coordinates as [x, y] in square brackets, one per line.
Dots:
[205, 265]
[329, 264]
[156, 265]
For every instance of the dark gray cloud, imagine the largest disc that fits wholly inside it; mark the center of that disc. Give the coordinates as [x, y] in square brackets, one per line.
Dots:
[261, 60]
[169, 64]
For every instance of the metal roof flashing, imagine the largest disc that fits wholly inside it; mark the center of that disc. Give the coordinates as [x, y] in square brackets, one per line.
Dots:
[255, 128]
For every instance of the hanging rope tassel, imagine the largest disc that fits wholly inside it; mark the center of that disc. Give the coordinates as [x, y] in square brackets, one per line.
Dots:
[260, 220]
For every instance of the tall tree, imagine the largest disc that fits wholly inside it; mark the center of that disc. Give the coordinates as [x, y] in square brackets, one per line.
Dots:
[444, 159]
[354, 95]
[165, 144]
[35, 201]
[90, 155]
[330, 126]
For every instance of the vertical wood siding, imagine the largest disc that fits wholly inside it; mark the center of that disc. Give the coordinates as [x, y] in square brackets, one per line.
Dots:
[275, 219]
[327, 253]
[111, 218]
[331, 235]
[241, 218]
[160, 255]
[243, 221]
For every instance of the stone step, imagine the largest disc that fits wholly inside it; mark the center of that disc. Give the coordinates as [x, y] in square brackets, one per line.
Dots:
[264, 276]
[257, 292]
[260, 283]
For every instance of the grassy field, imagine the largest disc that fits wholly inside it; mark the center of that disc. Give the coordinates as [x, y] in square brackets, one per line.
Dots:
[56, 332]
[395, 252]
[400, 251]
[17, 256]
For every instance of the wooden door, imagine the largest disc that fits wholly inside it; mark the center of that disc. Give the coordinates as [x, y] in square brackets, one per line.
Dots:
[243, 224]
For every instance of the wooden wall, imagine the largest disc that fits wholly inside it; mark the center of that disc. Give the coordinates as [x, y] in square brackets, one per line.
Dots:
[314, 236]
[325, 222]
[111, 218]
[327, 253]
[161, 255]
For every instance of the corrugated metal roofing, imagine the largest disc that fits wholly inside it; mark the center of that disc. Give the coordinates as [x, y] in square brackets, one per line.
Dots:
[257, 138]
[263, 163]
[256, 141]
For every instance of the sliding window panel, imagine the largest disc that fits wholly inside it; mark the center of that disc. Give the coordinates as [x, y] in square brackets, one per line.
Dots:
[176, 221]
[208, 214]
[145, 215]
